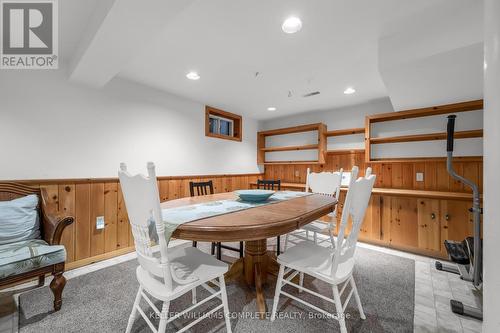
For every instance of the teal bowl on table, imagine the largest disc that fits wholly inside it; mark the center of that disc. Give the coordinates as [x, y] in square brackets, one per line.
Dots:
[254, 195]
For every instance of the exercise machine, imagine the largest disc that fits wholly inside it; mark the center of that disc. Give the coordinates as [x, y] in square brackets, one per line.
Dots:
[466, 255]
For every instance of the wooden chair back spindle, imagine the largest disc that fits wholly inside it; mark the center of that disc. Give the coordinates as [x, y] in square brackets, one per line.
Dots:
[202, 188]
[269, 184]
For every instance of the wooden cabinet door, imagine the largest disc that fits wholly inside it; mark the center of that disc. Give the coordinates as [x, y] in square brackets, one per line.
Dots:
[404, 222]
[456, 221]
[429, 237]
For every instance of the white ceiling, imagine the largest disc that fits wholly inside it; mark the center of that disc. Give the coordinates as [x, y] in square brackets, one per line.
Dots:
[228, 41]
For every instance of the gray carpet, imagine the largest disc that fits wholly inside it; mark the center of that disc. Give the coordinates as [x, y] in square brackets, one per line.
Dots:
[101, 302]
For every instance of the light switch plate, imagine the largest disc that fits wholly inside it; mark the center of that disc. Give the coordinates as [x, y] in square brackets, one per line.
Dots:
[99, 223]
[420, 176]
[297, 174]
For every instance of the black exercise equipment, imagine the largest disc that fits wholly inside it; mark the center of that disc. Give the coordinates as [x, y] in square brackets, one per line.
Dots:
[466, 255]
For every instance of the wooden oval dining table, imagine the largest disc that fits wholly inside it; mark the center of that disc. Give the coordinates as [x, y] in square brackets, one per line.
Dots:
[253, 226]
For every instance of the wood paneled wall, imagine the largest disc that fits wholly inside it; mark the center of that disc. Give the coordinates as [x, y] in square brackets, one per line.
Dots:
[389, 175]
[88, 199]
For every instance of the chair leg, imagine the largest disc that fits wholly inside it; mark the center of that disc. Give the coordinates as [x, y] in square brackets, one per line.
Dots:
[286, 242]
[358, 300]
[57, 285]
[301, 281]
[277, 291]
[193, 295]
[222, 284]
[133, 315]
[41, 280]
[162, 327]
[278, 250]
[195, 244]
[219, 250]
[332, 240]
[338, 308]
[315, 237]
[213, 248]
[241, 249]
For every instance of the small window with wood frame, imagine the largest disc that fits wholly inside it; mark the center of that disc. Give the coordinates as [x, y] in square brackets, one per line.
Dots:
[223, 125]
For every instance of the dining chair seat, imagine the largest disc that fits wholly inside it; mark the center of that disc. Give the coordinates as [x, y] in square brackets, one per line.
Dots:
[315, 260]
[188, 263]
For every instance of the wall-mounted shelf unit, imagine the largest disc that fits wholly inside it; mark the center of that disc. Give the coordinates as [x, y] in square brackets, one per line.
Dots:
[417, 113]
[320, 146]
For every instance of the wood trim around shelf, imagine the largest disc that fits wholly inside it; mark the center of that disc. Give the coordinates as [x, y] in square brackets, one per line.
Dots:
[291, 130]
[426, 159]
[345, 151]
[430, 111]
[348, 131]
[288, 148]
[427, 137]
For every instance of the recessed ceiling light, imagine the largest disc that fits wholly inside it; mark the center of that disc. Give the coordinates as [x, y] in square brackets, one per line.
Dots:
[349, 91]
[193, 76]
[271, 108]
[292, 25]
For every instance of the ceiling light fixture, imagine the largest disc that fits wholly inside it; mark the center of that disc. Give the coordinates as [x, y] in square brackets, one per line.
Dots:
[349, 91]
[291, 25]
[271, 108]
[193, 76]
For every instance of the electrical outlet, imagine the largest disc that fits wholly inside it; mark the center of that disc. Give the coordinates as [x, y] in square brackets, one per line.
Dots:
[420, 176]
[297, 174]
[99, 223]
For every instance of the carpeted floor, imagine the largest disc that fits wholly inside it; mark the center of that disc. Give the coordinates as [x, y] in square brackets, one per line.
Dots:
[101, 302]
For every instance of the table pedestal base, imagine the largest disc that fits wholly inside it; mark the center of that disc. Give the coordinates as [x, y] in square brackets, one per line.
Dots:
[255, 267]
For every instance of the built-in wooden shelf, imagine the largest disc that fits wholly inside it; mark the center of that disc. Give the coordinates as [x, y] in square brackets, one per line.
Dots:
[426, 159]
[349, 131]
[418, 113]
[320, 146]
[288, 148]
[395, 192]
[427, 137]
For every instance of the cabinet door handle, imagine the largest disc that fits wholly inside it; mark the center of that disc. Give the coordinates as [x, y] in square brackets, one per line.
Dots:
[433, 216]
[447, 217]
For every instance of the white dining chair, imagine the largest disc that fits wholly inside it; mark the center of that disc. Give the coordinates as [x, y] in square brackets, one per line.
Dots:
[331, 265]
[166, 274]
[325, 183]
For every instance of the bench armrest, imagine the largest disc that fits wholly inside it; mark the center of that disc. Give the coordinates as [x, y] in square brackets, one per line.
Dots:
[53, 223]
[53, 227]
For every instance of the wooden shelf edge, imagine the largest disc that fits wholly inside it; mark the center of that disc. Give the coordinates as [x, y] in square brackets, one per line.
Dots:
[426, 159]
[345, 151]
[427, 137]
[398, 192]
[425, 112]
[288, 148]
[291, 130]
[349, 131]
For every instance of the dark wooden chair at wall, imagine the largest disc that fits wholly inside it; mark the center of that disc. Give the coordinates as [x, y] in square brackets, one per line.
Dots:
[205, 188]
[274, 185]
[34, 257]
